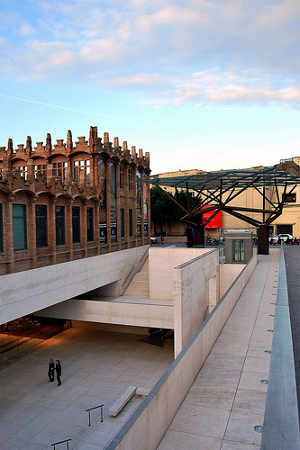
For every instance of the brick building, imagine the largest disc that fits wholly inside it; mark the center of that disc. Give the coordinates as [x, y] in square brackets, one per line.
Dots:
[63, 202]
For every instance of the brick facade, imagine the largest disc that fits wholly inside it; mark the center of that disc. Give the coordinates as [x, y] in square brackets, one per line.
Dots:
[63, 202]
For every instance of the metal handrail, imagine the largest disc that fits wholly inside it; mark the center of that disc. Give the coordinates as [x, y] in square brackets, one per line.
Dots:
[61, 442]
[95, 407]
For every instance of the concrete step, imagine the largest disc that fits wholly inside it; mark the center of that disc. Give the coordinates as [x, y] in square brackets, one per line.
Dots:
[145, 267]
[139, 285]
[137, 292]
[143, 292]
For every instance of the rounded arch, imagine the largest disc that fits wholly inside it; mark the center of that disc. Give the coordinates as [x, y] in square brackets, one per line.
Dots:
[55, 156]
[63, 195]
[75, 154]
[79, 196]
[27, 192]
[44, 192]
[16, 159]
[38, 157]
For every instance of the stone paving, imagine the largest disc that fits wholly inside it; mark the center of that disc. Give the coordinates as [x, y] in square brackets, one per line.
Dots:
[227, 398]
[96, 367]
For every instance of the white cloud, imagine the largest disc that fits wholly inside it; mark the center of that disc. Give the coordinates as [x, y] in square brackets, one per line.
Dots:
[99, 49]
[138, 80]
[215, 87]
[26, 29]
[168, 47]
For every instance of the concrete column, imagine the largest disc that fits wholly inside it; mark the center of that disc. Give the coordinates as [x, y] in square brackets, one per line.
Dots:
[263, 240]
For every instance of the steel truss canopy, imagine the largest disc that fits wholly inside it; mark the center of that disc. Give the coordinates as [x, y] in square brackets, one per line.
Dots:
[260, 177]
[218, 189]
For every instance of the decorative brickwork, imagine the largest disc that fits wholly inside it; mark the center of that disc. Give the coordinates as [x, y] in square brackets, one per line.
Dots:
[62, 202]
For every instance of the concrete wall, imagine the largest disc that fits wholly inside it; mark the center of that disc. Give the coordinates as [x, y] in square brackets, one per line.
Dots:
[162, 261]
[28, 291]
[188, 284]
[148, 424]
[113, 312]
[191, 294]
[228, 273]
[111, 328]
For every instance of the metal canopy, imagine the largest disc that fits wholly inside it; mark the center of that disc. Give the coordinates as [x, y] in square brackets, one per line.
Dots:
[218, 189]
[261, 177]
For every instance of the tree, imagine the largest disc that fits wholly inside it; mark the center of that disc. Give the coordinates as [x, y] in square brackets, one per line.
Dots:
[164, 210]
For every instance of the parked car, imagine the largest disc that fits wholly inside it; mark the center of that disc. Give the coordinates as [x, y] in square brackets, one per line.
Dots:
[281, 238]
[153, 240]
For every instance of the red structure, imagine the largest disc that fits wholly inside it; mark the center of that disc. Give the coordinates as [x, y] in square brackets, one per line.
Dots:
[68, 201]
[216, 220]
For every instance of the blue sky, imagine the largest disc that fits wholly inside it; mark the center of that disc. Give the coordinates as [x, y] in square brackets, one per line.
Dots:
[197, 83]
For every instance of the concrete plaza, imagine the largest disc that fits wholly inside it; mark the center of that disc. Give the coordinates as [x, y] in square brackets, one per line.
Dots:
[96, 367]
[226, 400]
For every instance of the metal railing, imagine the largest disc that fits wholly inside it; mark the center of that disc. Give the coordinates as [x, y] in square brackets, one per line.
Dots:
[95, 407]
[281, 420]
[61, 442]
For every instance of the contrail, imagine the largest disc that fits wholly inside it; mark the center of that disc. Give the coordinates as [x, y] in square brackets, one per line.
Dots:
[60, 107]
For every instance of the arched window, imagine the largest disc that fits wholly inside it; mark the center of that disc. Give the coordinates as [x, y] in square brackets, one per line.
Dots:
[60, 166]
[40, 168]
[81, 165]
[21, 166]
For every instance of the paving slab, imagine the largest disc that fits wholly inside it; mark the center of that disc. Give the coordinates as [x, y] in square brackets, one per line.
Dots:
[96, 367]
[227, 398]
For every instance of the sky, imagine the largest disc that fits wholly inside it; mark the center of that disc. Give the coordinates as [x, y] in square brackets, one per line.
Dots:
[199, 84]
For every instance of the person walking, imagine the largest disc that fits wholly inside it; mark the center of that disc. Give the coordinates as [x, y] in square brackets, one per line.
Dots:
[51, 370]
[58, 372]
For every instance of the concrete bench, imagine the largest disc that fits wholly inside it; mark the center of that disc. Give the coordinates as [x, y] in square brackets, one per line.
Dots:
[142, 391]
[121, 402]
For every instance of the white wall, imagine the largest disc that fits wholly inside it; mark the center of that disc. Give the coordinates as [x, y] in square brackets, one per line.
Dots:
[162, 261]
[26, 292]
[113, 312]
[228, 273]
[191, 294]
[189, 278]
[187, 285]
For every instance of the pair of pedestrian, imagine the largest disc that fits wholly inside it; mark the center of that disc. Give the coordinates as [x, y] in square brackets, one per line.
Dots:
[51, 370]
